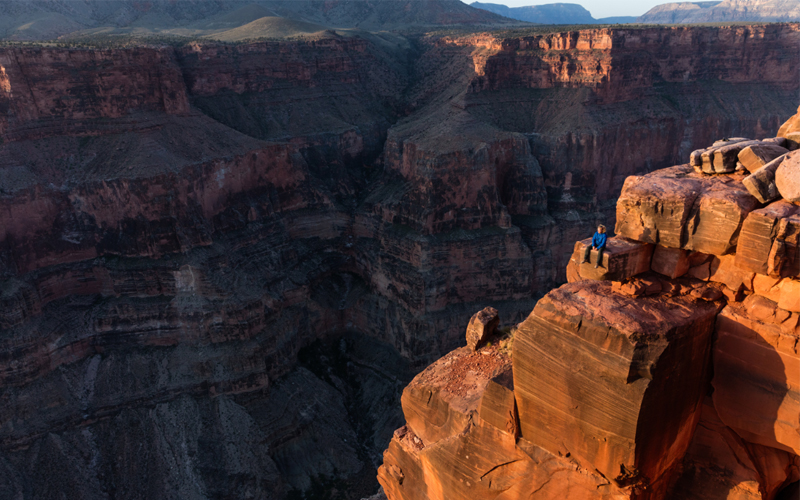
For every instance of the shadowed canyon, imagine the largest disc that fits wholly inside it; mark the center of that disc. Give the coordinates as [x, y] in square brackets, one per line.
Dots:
[222, 263]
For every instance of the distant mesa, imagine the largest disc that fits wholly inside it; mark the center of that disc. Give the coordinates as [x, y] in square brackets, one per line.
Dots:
[726, 11]
[552, 13]
[723, 12]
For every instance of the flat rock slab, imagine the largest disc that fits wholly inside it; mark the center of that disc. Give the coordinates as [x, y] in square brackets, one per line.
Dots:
[756, 156]
[756, 374]
[769, 241]
[679, 208]
[613, 379]
[438, 402]
[622, 259]
[787, 177]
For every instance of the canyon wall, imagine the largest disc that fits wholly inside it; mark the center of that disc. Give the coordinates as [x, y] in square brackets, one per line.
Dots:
[235, 250]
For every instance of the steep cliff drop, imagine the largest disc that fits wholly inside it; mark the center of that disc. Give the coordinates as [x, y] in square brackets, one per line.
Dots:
[672, 371]
[221, 263]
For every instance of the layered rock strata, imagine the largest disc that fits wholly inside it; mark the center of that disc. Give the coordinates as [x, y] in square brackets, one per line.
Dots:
[675, 379]
[181, 225]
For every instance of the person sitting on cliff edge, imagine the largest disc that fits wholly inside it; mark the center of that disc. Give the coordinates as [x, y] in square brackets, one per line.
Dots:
[599, 243]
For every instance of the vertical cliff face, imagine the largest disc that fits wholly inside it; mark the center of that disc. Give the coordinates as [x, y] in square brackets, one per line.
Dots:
[53, 92]
[667, 371]
[265, 240]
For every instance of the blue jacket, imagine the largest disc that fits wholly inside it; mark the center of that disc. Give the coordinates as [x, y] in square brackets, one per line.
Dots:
[599, 240]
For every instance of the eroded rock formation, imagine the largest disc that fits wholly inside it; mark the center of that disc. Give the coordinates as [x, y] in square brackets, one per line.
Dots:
[675, 379]
[180, 225]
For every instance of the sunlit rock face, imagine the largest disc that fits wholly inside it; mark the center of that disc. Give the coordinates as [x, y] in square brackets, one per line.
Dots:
[674, 379]
[219, 253]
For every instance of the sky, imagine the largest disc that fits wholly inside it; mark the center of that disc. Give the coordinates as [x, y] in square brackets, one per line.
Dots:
[598, 8]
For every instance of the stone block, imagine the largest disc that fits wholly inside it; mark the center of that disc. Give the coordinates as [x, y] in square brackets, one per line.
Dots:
[767, 286]
[671, 262]
[622, 259]
[481, 327]
[769, 240]
[778, 141]
[457, 444]
[756, 369]
[790, 295]
[439, 402]
[498, 406]
[612, 379]
[761, 183]
[760, 308]
[787, 177]
[678, 208]
[792, 125]
[724, 270]
[756, 156]
[725, 157]
[703, 159]
[792, 141]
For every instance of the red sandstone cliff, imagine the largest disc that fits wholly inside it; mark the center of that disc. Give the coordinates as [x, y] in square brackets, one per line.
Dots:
[178, 224]
[670, 370]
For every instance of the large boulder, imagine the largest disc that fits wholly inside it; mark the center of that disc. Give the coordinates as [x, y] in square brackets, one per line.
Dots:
[614, 380]
[679, 208]
[769, 240]
[792, 125]
[761, 183]
[787, 177]
[622, 259]
[756, 156]
[481, 326]
[721, 157]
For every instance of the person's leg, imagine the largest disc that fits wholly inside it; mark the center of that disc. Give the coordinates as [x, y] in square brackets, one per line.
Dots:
[587, 253]
[599, 257]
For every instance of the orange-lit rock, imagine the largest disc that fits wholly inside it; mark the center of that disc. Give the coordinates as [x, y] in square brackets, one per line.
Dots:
[468, 450]
[671, 262]
[761, 183]
[720, 464]
[756, 369]
[622, 259]
[678, 208]
[787, 178]
[624, 390]
[757, 156]
[768, 242]
[481, 327]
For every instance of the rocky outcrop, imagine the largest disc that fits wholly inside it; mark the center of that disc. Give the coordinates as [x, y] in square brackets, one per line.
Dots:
[675, 382]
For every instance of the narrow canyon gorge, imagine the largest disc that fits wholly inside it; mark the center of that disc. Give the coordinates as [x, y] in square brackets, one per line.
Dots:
[222, 264]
